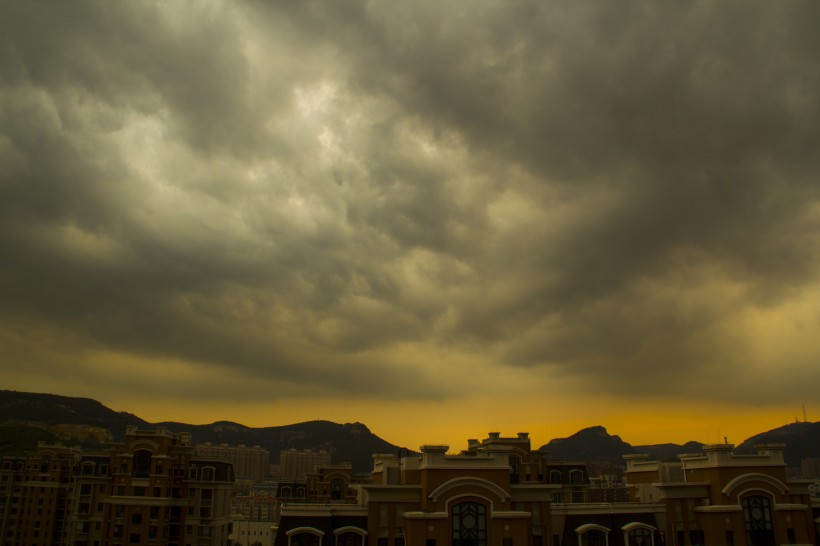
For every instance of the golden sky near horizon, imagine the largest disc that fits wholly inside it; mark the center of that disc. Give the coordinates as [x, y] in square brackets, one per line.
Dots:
[436, 218]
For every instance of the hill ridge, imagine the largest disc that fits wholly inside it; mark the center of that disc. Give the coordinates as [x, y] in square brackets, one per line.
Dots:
[81, 420]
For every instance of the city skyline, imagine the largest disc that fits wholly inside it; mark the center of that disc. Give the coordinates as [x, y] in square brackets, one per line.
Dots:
[437, 219]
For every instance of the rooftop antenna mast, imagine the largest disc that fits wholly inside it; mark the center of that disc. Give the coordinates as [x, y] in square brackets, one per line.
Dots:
[804, 413]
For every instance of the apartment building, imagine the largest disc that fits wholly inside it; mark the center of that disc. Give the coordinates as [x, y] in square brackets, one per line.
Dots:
[719, 497]
[33, 496]
[295, 465]
[498, 492]
[151, 489]
[250, 463]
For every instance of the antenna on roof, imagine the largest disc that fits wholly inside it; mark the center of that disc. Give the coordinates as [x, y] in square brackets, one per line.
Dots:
[804, 413]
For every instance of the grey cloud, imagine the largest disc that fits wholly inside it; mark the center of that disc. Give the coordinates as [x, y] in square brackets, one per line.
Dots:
[293, 190]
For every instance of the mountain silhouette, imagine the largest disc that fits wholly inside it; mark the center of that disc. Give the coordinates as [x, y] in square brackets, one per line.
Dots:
[26, 418]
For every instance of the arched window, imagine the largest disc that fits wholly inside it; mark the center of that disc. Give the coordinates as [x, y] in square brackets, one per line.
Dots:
[757, 516]
[640, 536]
[591, 534]
[593, 537]
[469, 523]
[142, 463]
[208, 473]
[350, 536]
[286, 492]
[555, 476]
[305, 536]
[45, 463]
[576, 477]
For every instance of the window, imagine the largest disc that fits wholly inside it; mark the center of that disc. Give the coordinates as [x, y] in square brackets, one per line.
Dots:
[730, 538]
[142, 463]
[696, 538]
[757, 517]
[576, 477]
[515, 470]
[591, 534]
[469, 524]
[349, 538]
[136, 519]
[593, 537]
[336, 485]
[304, 539]
[640, 536]
[555, 476]
[208, 474]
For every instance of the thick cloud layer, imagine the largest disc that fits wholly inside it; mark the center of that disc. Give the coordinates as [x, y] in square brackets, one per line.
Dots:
[411, 201]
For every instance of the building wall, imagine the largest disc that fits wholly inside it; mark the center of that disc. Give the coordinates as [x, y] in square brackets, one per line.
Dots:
[151, 489]
[250, 533]
[33, 495]
[295, 465]
[249, 462]
[418, 500]
[710, 501]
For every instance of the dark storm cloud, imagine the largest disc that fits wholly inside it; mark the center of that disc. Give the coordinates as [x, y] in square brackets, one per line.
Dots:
[299, 192]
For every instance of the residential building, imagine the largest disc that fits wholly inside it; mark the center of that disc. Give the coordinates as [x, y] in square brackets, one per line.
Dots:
[295, 465]
[251, 533]
[151, 489]
[250, 463]
[33, 496]
[719, 497]
[255, 508]
[498, 492]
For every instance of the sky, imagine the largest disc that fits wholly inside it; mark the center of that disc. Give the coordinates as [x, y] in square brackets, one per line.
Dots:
[439, 219]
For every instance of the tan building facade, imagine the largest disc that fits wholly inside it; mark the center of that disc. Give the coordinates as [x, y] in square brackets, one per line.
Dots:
[498, 492]
[250, 463]
[295, 465]
[719, 497]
